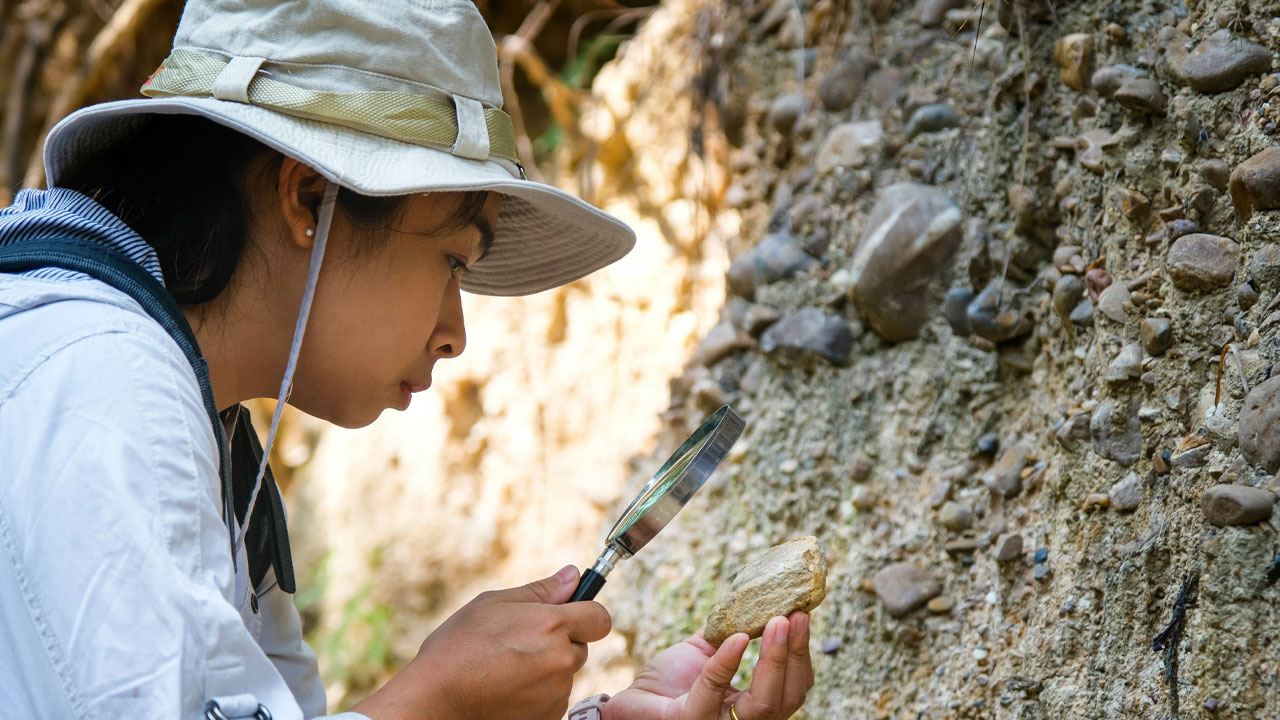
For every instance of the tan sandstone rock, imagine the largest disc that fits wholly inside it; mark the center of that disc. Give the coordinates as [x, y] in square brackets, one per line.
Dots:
[788, 577]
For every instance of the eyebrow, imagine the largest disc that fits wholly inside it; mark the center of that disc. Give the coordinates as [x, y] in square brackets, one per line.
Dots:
[486, 236]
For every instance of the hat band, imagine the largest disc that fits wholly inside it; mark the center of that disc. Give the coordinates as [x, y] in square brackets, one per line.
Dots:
[416, 119]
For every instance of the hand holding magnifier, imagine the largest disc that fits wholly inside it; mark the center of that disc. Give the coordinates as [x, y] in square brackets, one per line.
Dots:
[663, 496]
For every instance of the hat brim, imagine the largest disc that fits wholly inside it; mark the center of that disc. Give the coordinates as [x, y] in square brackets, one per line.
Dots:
[544, 236]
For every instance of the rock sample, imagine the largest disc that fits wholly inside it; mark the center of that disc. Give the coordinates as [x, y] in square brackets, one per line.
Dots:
[1202, 262]
[1260, 425]
[903, 587]
[1225, 505]
[1221, 62]
[911, 235]
[812, 331]
[1255, 184]
[787, 577]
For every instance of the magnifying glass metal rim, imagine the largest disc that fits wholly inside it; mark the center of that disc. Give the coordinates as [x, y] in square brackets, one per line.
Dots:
[682, 475]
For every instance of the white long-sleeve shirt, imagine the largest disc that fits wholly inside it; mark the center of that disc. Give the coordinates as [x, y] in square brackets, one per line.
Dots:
[118, 597]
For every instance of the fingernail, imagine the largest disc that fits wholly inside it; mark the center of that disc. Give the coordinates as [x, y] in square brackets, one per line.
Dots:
[781, 633]
[567, 574]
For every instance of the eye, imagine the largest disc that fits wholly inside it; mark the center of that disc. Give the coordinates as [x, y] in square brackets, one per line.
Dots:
[456, 266]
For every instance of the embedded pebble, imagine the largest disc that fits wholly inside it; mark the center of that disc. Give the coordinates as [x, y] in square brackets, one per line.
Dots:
[849, 145]
[784, 112]
[903, 587]
[777, 256]
[1005, 476]
[955, 516]
[1067, 294]
[1156, 334]
[1008, 548]
[720, 341]
[812, 331]
[1255, 184]
[1042, 555]
[1221, 62]
[1116, 433]
[1225, 505]
[831, 646]
[939, 605]
[1179, 227]
[1108, 79]
[1264, 267]
[1199, 261]
[1126, 495]
[1127, 364]
[1114, 302]
[910, 237]
[863, 498]
[842, 84]
[860, 468]
[1096, 280]
[1216, 172]
[954, 309]
[1073, 430]
[787, 577]
[988, 444]
[1260, 425]
[1083, 313]
[1067, 258]
[1142, 95]
[1074, 55]
[932, 118]
[1041, 571]
[992, 322]
[933, 12]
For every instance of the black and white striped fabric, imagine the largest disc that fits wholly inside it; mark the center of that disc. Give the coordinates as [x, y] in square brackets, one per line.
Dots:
[71, 214]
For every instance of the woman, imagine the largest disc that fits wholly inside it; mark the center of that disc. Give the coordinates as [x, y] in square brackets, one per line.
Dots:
[339, 169]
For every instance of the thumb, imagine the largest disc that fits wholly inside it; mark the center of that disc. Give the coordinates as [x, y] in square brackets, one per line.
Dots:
[553, 590]
[707, 694]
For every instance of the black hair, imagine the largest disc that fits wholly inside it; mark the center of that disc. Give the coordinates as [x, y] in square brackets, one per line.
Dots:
[179, 182]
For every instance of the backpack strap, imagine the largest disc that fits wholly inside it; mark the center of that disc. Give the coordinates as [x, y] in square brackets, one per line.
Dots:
[118, 271]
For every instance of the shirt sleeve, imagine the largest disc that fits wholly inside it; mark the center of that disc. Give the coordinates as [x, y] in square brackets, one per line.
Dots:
[115, 574]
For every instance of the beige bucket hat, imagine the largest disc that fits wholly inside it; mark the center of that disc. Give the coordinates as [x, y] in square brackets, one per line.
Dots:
[384, 97]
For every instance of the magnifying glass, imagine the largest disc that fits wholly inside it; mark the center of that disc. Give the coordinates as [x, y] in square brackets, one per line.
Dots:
[663, 496]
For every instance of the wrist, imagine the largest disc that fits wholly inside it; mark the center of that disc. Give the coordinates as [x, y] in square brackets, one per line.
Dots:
[592, 708]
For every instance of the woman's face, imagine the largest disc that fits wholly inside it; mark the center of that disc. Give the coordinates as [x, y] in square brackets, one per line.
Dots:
[383, 317]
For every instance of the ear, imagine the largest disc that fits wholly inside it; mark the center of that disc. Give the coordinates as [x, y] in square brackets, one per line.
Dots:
[300, 188]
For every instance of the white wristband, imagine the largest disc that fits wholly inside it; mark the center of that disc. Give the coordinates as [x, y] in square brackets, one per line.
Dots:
[590, 709]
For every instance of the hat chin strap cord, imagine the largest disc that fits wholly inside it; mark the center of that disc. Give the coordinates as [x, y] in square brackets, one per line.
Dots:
[286, 384]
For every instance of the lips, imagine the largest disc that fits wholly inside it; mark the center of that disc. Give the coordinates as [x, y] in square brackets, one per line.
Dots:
[417, 388]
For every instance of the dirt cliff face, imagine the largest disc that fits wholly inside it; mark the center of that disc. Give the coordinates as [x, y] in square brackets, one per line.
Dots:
[1002, 309]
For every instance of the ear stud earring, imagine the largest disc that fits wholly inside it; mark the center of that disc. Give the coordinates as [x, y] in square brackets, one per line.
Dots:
[311, 233]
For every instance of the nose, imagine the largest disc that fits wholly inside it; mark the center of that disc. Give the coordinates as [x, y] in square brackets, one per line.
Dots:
[450, 336]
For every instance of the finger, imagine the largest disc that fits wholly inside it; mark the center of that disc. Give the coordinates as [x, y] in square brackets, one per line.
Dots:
[553, 590]
[799, 664]
[585, 622]
[764, 697]
[706, 697]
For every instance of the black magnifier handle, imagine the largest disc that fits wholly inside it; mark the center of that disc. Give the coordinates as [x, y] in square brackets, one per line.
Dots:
[588, 586]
